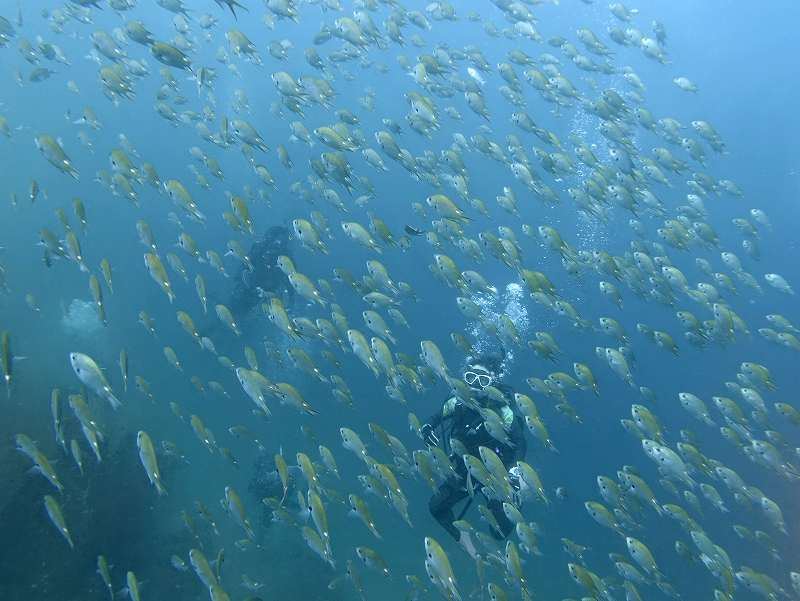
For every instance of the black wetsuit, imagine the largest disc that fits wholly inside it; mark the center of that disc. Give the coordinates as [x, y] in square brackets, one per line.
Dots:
[465, 424]
[265, 275]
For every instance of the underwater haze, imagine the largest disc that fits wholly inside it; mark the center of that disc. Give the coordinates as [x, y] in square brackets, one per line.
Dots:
[393, 300]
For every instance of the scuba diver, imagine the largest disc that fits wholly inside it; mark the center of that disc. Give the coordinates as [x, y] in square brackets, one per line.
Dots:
[265, 278]
[460, 425]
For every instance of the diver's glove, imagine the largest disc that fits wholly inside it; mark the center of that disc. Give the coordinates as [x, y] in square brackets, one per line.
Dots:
[429, 435]
[515, 478]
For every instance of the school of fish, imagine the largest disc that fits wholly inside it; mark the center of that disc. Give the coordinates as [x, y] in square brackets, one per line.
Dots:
[402, 172]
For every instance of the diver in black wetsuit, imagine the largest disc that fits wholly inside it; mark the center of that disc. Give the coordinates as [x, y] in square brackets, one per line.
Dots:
[266, 278]
[457, 420]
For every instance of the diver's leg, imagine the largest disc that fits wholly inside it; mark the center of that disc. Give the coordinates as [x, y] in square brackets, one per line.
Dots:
[496, 507]
[442, 503]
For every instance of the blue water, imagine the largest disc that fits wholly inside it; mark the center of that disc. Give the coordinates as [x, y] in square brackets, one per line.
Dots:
[742, 56]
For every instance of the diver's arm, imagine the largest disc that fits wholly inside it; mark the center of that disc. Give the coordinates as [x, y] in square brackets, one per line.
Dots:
[517, 436]
[429, 428]
[434, 420]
